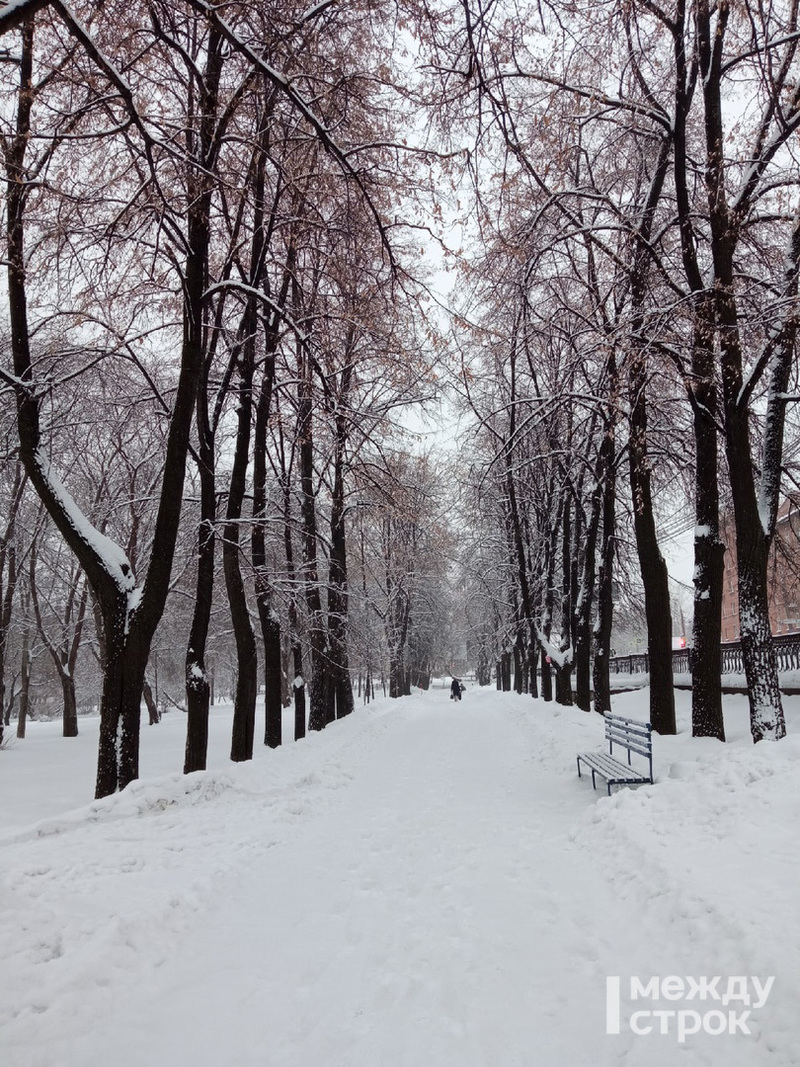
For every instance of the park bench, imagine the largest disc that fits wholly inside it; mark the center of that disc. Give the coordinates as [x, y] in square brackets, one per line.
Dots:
[633, 737]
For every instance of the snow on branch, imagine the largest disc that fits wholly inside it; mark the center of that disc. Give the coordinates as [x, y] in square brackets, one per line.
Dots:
[259, 294]
[315, 11]
[561, 658]
[112, 557]
[16, 11]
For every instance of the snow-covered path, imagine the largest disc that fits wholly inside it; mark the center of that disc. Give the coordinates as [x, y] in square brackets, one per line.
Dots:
[412, 921]
[425, 884]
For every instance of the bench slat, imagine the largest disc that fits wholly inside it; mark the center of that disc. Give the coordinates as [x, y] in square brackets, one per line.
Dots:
[612, 770]
[631, 735]
[625, 727]
[612, 730]
[629, 739]
[645, 752]
[634, 723]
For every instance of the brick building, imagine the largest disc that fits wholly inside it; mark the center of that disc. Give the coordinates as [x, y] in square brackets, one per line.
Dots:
[784, 576]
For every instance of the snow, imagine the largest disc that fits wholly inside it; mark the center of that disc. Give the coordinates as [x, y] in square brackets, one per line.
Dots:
[422, 883]
[13, 9]
[789, 680]
[557, 656]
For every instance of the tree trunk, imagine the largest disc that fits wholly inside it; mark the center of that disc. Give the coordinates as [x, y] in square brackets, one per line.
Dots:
[244, 707]
[8, 581]
[752, 532]
[583, 611]
[120, 702]
[506, 662]
[605, 588]
[298, 681]
[25, 686]
[267, 616]
[564, 671]
[198, 687]
[547, 608]
[533, 657]
[153, 715]
[318, 692]
[64, 656]
[752, 542]
[709, 551]
[516, 526]
[752, 558]
[338, 598]
[519, 657]
[396, 672]
[9, 708]
[273, 670]
[299, 692]
[6, 607]
[547, 676]
[655, 578]
[397, 619]
[70, 714]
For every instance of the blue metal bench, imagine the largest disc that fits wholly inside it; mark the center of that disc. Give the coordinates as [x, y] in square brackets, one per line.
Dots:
[632, 736]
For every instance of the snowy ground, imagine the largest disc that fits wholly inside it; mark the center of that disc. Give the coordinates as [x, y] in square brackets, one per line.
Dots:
[425, 884]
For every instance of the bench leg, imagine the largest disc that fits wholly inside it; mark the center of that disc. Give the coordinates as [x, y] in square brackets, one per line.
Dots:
[594, 780]
[579, 766]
